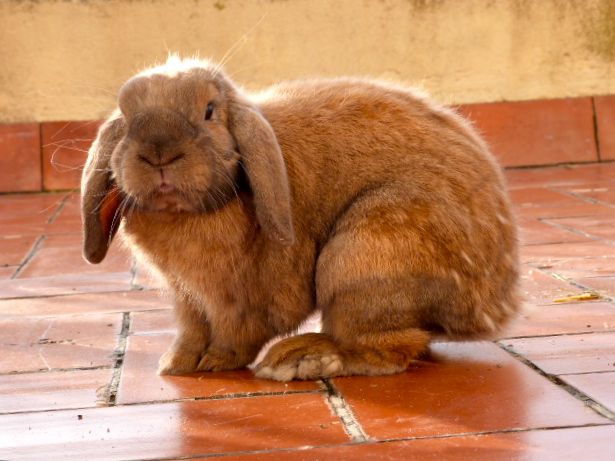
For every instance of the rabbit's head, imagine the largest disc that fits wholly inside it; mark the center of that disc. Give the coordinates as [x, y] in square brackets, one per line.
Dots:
[183, 141]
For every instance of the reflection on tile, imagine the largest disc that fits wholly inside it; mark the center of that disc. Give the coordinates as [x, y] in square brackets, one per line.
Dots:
[471, 387]
[584, 443]
[171, 430]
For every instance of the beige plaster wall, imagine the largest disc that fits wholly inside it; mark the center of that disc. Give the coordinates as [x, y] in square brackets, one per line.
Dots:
[65, 59]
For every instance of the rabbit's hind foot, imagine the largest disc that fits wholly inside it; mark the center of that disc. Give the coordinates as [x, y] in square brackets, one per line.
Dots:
[317, 355]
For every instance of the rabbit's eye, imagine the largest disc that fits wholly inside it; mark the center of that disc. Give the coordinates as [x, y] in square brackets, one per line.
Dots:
[210, 111]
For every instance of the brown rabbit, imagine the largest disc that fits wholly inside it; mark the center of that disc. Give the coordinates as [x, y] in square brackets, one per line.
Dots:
[360, 199]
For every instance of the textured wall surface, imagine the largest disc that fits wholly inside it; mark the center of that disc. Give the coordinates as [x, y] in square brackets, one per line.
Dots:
[64, 60]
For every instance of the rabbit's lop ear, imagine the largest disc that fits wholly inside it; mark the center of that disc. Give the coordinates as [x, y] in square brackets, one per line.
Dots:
[100, 199]
[264, 165]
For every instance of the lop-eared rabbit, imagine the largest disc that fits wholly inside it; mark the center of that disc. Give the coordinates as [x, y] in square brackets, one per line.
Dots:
[360, 199]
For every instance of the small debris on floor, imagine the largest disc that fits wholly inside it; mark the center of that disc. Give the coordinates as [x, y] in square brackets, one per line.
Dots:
[585, 296]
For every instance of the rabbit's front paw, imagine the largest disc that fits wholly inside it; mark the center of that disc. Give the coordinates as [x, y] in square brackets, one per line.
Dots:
[177, 362]
[219, 360]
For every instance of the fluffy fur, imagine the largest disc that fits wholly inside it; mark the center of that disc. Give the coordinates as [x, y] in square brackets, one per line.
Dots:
[361, 199]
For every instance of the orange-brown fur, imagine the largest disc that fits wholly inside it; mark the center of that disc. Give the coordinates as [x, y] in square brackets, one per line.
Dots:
[381, 209]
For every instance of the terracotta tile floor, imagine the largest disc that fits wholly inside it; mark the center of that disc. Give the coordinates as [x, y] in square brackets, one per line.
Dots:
[80, 346]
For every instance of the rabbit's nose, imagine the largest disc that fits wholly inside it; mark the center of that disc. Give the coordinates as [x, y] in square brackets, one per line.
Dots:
[161, 160]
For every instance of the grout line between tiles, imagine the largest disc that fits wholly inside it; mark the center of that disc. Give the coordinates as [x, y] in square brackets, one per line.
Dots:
[76, 293]
[574, 283]
[37, 245]
[343, 411]
[574, 333]
[578, 196]
[120, 351]
[51, 370]
[133, 274]
[597, 372]
[580, 395]
[41, 157]
[370, 442]
[238, 395]
[596, 130]
[58, 210]
[572, 230]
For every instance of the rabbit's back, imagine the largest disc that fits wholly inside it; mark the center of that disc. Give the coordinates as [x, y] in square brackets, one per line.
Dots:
[342, 137]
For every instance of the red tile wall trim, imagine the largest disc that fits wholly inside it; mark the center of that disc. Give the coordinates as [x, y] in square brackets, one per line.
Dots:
[49, 155]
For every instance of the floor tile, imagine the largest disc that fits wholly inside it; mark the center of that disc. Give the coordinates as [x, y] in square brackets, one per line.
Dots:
[121, 301]
[141, 383]
[574, 210]
[23, 226]
[152, 322]
[20, 160]
[65, 285]
[13, 250]
[559, 251]
[23, 205]
[598, 386]
[576, 444]
[537, 132]
[471, 387]
[146, 279]
[538, 196]
[605, 120]
[540, 288]
[535, 232]
[52, 390]
[172, 429]
[605, 286]
[62, 254]
[569, 353]
[566, 175]
[68, 219]
[563, 319]
[64, 151]
[7, 272]
[79, 341]
[595, 226]
[576, 268]
[604, 193]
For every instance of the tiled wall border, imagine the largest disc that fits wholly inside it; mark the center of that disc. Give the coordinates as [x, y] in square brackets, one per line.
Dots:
[49, 155]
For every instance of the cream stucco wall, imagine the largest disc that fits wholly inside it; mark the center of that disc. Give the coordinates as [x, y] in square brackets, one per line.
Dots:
[65, 59]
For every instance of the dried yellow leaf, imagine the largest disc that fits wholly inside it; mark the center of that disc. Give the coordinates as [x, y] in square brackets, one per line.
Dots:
[586, 296]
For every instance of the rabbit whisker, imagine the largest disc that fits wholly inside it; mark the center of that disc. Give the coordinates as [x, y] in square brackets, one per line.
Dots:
[236, 46]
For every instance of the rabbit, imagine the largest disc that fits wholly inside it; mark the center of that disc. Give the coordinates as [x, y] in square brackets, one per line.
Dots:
[360, 199]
